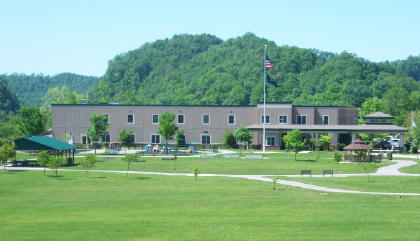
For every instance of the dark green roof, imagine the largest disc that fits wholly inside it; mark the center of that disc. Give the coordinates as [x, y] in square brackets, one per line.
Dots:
[41, 143]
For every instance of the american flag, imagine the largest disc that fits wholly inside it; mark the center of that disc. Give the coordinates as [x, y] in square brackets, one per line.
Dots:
[267, 63]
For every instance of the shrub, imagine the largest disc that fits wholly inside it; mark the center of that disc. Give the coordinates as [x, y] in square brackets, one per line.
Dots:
[196, 171]
[341, 146]
[389, 155]
[229, 139]
[338, 156]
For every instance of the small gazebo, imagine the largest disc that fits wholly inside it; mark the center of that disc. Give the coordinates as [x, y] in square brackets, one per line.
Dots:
[357, 150]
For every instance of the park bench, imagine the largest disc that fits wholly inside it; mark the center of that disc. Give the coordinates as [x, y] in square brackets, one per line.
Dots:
[328, 172]
[305, 172]
[168, 158]
[208, 156]
[231, 156]
[254, 157]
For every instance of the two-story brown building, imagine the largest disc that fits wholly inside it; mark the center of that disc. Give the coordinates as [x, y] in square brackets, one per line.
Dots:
[207, 124]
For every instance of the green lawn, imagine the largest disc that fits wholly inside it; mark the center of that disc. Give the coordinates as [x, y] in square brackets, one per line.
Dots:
[146, 207]
[373, 183]
[412, 169]
[276, 164]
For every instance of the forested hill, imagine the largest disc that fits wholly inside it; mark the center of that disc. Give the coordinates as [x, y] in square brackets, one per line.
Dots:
[203, 69]
[8, 101]
[30, 89]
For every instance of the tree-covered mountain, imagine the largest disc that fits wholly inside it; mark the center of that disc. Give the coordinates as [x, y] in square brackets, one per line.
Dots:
[203, 69]
[8, 100]
[30, 89]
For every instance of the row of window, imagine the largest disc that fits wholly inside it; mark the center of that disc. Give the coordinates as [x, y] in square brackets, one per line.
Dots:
[300, 119]
[180, 119]
[205, 119]
[154, 139]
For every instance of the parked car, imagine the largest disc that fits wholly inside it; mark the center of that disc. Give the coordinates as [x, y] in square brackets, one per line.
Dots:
[395, 143]
[385, 145]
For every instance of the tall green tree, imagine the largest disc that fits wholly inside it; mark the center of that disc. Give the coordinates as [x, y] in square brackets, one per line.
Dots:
[242, 134]
[6, 152]
[294, 141]
[325, 141]
[98, 128]
[370, 106]
[9, 131]
[31, 122]
[167, 127]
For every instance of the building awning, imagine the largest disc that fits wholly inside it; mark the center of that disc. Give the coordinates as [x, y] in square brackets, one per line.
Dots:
[41, 143]
[350, 128]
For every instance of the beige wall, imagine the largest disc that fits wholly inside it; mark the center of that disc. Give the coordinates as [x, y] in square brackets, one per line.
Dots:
[74, 119]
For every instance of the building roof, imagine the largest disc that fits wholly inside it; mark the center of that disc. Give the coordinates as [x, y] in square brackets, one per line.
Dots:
[361, 128]
[41, 143]
[186, 105]
[379, 115]
[357, 145]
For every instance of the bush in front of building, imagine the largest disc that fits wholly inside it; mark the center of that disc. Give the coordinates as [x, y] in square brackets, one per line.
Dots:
[229, 139]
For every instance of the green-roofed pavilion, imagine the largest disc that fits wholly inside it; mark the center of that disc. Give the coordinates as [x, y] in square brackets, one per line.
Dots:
[45, 143]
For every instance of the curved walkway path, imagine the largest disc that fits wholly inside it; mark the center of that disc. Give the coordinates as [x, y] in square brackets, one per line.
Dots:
[391, 170]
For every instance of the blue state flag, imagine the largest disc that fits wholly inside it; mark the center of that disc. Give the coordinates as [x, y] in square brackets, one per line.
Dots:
[269, 80]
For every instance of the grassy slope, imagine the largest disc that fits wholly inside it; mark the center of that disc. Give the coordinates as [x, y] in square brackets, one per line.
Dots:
[282, 163]
[110, 207]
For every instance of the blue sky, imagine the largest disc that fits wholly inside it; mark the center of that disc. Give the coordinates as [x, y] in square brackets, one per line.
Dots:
[51, 37]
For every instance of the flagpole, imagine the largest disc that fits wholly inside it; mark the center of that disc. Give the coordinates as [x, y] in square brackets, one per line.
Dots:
[265, 80]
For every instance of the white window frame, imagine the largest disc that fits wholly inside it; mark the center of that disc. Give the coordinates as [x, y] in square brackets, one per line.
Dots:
[109, 137]
[153, 123]
[202, 119]
[183, 118]
[306, 119]
[266, 140]
[201, 138]
[265, 119]
[87, 139]
[234, 119]
[287, 119]
[323, 119]
[134, 138]
[151, 138]
[134, 119]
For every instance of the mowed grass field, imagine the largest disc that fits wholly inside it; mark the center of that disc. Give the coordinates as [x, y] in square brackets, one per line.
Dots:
[106, 206]
[393, 184]
[275, 164]
[148, 207]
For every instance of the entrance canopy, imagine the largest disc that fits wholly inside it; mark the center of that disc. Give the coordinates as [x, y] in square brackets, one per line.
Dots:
[41, 143]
